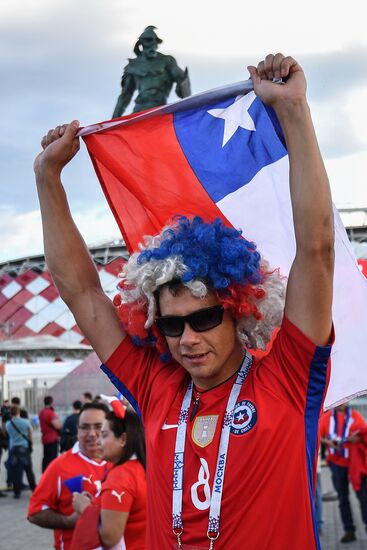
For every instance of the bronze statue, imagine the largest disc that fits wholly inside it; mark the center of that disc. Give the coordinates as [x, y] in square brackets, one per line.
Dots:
[152, 74]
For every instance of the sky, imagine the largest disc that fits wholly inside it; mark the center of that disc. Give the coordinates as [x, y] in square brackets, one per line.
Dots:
[63, 59]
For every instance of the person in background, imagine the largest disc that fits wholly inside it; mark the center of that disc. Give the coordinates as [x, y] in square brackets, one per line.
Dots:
[35, 421]
[117, 516]
[20, 446]
[318, 503]
[16, 401]
[87, 397]
[50, 506]
[69, 431]
[339, 429]
[98, 399]
[4, 439]
[5, 416]
[50, 427]
[5, 410]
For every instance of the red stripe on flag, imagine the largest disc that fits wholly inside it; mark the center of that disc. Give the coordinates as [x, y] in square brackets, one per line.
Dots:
[146, 178]
[363, 266]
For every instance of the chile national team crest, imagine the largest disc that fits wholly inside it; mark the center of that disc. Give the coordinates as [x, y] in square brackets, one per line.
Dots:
[244, 417]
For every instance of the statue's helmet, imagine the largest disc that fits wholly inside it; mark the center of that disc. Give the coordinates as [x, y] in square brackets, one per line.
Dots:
[149, 33]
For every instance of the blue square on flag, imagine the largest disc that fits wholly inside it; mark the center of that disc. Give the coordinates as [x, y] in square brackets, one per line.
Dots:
[74, 484]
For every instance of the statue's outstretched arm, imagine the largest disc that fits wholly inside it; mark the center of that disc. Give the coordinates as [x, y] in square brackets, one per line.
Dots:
[127, 90]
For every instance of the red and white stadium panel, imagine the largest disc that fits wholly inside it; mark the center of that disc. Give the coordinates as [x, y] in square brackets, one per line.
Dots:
[30, 304]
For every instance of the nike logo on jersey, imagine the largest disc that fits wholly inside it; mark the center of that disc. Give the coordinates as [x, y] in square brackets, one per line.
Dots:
[169, 426]
[117, 495]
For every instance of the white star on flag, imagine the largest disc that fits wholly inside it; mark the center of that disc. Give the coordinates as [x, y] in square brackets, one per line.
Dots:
[236, 116]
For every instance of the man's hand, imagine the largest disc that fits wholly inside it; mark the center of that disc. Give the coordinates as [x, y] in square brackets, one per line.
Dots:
[355, 438]
[331, 443]
[60, 145]
[80, 503]
[278, 67]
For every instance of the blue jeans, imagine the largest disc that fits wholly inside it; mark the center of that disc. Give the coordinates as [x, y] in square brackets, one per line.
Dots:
[20, 461]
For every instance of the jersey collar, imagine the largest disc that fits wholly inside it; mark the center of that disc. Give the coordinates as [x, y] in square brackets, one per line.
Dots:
[76, 450]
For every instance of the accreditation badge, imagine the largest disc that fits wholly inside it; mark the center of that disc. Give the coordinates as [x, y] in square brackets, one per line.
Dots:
[203, 429]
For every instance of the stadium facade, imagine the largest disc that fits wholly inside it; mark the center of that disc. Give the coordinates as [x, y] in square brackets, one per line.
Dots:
[40, 341]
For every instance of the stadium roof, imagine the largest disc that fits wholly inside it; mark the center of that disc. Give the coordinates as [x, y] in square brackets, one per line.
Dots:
[354, 218]
[103, 253]
[52, 371]
[42, 346]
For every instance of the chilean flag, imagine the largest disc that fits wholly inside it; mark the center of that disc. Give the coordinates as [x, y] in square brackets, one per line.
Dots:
[222, 154]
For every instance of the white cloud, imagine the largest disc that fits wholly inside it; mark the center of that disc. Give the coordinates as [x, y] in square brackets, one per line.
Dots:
[21, 234]
[357, 111]
[97, 225]
[242, 29]
[211, 28]
[348, 180]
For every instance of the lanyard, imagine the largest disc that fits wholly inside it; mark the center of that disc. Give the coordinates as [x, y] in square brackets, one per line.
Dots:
[342, 451]
[178, 467]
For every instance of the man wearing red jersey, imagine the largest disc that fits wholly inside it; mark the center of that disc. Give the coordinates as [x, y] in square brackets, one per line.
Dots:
[51, 506]
[50, 427]
[340, 429]
[231, 442]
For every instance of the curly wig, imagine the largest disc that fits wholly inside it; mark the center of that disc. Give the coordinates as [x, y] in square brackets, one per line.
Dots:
[203, 257]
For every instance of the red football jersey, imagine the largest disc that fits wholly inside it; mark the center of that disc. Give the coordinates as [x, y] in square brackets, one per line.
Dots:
[51, 491]
[268, 490]
[327, 428]
[124, 490]
[49, 433]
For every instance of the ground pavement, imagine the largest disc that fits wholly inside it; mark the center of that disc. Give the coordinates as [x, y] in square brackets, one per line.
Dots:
[17, 534]
[15, 530]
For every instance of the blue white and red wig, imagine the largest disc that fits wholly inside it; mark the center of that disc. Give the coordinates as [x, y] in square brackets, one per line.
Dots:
[204, 257]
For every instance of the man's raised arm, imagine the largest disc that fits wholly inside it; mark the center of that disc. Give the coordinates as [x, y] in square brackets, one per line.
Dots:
[66, 253]
[309, 289]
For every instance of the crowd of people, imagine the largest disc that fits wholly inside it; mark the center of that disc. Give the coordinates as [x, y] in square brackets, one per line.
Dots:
[92, 486]
[16, 436]
[102, 458]
[231, 435]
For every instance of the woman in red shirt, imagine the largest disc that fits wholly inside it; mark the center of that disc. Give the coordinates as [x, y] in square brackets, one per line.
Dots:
[116, 517]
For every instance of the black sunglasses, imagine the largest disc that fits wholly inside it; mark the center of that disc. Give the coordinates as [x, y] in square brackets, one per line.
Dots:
[200, 321]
